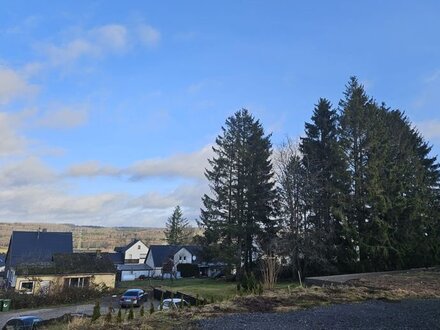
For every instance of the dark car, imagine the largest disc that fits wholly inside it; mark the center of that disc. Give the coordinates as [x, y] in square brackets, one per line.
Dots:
[23, 323]
[132, 297]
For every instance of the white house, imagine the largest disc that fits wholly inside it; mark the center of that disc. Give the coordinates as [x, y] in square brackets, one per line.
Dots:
[133, 253]
[180, 254]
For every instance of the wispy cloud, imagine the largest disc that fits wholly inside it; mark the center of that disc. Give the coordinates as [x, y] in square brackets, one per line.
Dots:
[184, 165]
[148, 35]
[66, 117]
[11, 141]
[13, 85]
[99, 42]
[91, 169]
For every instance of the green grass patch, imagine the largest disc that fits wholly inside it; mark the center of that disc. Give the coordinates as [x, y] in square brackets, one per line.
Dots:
[207, 288]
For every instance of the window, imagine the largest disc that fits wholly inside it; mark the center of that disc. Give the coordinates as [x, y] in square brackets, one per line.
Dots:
[27, 287]
[139, 247]
[180, 257]
[184, 258]
[77, 282]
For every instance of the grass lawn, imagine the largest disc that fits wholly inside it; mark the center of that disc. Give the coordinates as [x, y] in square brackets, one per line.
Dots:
[206, 288]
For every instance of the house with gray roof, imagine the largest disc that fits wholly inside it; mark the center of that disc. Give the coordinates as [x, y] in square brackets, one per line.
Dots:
[34, 248]
[133, 253]
[40, 262]
[159, 255]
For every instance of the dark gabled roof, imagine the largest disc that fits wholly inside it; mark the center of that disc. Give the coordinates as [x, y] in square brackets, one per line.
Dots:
[115, 257]
[125, 248]
[134, 267]
[32, 247]
[70, 263]
[161, 253]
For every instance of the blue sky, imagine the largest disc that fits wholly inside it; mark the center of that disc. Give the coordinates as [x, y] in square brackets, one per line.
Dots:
[108, 108]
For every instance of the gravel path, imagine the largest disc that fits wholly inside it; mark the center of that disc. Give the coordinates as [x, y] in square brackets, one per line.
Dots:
[407, 314]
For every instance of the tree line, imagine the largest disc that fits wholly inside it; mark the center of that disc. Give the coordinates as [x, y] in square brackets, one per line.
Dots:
[359, 192]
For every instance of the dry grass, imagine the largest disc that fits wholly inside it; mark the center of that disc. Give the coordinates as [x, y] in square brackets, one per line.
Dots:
[281, 299]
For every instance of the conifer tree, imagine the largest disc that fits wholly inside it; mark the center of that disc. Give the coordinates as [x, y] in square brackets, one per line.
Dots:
[176, 228]
[323, 161]
[238, 215]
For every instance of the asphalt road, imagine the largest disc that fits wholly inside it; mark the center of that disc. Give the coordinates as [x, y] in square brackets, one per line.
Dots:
[55, 312]
[407, 314]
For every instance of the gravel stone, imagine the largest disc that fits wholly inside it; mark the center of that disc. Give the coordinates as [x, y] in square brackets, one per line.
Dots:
[373, 314]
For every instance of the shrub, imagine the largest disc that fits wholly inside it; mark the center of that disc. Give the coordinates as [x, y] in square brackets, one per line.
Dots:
[119, 317]
[152, 307]
[57, 297]
[142, 311]
[130, 314]
[108, 316]
[96, 312]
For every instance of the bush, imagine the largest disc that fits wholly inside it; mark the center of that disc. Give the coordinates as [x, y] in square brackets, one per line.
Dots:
[58, 297]
[96, 312]
[152, 308]
[131, 314]
[249, 284]
[142, 311]
[119, 317]
[108, 316]
[188, 270]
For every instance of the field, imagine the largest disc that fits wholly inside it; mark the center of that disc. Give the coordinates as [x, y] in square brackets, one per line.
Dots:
[88, 237]
[206, 288]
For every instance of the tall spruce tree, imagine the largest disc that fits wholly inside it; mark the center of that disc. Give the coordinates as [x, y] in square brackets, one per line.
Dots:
[393, 185]
[237, 216]
[326, 170]
[355, 123]
[176, 228]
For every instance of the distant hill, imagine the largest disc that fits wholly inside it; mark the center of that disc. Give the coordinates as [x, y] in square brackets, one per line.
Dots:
[88, 237]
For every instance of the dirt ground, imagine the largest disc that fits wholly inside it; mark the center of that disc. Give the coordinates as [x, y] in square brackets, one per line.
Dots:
[420, 282]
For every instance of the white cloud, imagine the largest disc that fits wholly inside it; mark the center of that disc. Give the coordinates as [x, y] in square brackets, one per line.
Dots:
[111, 36]
[29, 171]
[101, 41]
[148, 35]
[11, 142]
[430, 128]
[13, 85]
[92, 168]
[66, 117]
[70, 51]
[185, 165]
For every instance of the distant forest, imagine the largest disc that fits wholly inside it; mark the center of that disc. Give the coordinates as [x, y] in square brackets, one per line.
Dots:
[359, 192]
[88, 237]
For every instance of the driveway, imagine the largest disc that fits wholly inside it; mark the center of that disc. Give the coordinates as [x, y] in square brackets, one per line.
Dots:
[374, 314]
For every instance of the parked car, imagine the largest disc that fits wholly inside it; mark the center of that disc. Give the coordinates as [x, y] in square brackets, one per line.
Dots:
[132, 297]
[27, 322]
[173, 303]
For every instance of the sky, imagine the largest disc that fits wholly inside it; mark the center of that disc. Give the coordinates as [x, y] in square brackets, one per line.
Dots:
[109, 109]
